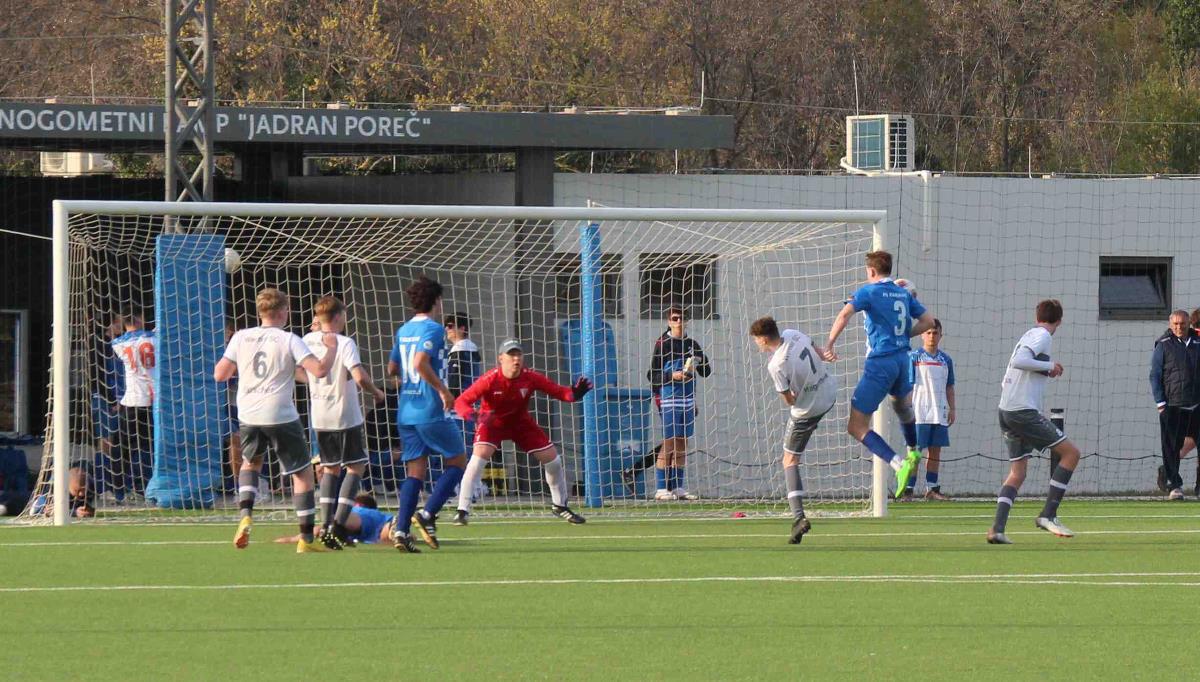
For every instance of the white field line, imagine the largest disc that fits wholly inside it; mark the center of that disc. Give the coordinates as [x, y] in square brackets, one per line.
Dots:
[598, 520]
[552, 538]
[1089, 579]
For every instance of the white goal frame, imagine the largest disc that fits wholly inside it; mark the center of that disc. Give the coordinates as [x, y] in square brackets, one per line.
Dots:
[64, 209]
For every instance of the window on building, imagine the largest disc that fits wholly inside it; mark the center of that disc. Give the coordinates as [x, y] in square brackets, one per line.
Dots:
[687, 280]
[568, 289]
[1135, 288]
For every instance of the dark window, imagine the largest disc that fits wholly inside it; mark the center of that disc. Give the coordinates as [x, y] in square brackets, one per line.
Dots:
[687, 280]
[568, 294]
[1135, 288]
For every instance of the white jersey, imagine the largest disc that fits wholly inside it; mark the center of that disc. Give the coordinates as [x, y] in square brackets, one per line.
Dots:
[1025, 389]
[266, 359]
[136, 351]
[334, 399]
[932, 376]
[796, 367]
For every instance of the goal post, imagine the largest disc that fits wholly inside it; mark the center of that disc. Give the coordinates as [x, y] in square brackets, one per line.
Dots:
[601, 278]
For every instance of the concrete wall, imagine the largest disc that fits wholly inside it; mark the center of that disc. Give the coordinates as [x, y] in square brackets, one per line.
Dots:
[982, 252]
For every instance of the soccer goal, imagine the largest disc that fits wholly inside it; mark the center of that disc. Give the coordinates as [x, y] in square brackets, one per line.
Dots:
[587, 291]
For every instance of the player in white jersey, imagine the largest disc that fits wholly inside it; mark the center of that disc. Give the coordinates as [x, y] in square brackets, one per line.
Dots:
[803, 382]
[337, 418]
[265, 359]
[1026, 429]
[932, 371]
[135, 349]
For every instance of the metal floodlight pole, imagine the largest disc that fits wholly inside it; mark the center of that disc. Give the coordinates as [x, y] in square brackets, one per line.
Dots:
[190, 76]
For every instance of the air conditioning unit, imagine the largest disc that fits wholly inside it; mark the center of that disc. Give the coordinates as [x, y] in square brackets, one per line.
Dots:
[880, 142]
[73, 164]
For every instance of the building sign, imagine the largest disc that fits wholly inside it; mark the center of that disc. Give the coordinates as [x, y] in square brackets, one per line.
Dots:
[373, 127]
[233, 125]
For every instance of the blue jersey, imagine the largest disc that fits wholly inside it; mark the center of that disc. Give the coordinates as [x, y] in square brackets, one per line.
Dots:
[890, 310]
[681, 394]
[419, 402]
[373, 521]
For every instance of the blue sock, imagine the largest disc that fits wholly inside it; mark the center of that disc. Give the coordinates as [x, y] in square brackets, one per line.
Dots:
[660, 476]
[679, 478]
[443, 489]
[410, 492]
[878, 446]
[912, 482]
[931, 480]
[910, 434]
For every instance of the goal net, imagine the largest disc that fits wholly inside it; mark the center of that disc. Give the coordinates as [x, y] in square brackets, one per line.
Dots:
[586, 291]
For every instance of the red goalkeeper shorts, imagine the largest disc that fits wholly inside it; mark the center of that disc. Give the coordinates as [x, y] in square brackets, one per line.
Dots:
[523, 431]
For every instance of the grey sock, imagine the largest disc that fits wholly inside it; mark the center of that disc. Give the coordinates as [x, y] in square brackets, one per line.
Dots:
[328, 498]
[247, 491]
[1058, 487]
[1004, 503]
[795, 490]
[306, 510]
[346, 497]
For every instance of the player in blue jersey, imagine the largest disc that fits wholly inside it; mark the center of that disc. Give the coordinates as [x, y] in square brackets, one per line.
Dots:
[418, 360]
[366, 525]
[890, 311]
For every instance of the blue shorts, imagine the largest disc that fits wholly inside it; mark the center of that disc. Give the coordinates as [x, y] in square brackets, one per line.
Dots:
[934, 435]
[439, 438]
[678, 422]
[881, 376]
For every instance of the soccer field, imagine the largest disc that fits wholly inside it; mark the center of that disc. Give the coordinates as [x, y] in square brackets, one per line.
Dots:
[919, 593]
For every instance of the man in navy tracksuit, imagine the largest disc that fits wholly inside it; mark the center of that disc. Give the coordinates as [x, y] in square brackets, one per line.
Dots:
[1176, 387]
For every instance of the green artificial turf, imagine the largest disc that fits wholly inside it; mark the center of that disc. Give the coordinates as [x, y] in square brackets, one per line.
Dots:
[916, 595]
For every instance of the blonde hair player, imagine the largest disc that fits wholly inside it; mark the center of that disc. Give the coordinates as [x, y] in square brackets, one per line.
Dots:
[265, 359]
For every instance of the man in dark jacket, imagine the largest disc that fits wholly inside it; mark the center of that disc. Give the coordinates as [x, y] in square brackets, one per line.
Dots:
[463, 363]
[1176, 387]
[14, 481]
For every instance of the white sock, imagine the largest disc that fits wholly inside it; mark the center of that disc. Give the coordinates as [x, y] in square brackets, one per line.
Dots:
[470, 477]
[897, 462]
[557, 478]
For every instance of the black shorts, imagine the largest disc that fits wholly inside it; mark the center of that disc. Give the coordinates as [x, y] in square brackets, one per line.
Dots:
[135, 428]
[799, 431]
[291, 447]
[341, 448]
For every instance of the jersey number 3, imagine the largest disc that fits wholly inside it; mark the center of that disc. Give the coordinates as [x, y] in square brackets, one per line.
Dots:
[902, 318]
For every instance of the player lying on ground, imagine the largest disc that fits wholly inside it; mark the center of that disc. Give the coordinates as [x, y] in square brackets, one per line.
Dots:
[890, 310]
[804, 384]
[1026, 429]
[504, 394]
[364, 525]
[337, 418]
[265, 359]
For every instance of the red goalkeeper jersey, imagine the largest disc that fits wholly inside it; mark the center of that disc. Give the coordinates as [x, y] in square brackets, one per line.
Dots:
[506, 398]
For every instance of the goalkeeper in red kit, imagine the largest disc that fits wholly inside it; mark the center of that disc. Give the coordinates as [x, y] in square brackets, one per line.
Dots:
[503, 394]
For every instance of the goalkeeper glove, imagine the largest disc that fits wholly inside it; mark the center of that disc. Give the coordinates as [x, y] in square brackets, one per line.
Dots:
[581, 388]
